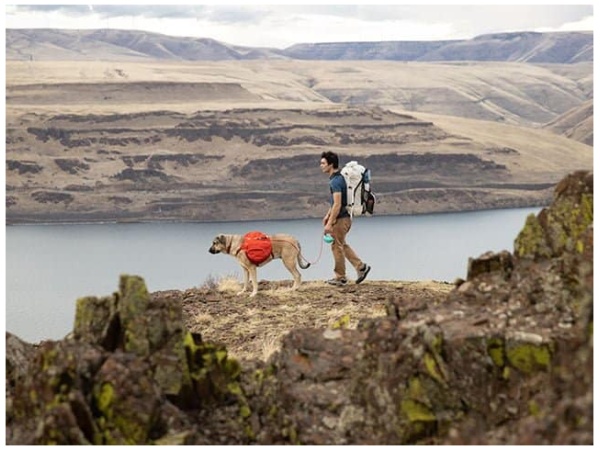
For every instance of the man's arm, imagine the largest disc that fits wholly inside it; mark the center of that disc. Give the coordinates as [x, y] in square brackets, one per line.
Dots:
[326, 217]
[333, 212]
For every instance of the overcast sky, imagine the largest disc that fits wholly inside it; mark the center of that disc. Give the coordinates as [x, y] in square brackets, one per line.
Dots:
[280, 26]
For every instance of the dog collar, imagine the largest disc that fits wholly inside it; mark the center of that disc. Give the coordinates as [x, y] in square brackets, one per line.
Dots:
[228, 249]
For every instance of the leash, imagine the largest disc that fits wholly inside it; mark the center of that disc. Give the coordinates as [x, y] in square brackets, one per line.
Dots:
[312, 263]
[300, 251]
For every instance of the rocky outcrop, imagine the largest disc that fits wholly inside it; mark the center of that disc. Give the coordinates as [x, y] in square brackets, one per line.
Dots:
[506, 358]
[496, 356]
[126, 376]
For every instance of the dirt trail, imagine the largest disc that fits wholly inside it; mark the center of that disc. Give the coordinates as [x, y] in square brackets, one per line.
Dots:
[253, 327]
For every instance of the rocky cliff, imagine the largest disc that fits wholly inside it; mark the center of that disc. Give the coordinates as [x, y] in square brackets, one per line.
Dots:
[257, 164]
[505, 358]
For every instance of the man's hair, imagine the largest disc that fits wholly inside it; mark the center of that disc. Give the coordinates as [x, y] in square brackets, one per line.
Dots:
[331, 158]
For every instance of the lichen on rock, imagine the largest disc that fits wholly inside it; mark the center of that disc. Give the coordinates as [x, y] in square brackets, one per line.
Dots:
[113, 382]
[560, 228]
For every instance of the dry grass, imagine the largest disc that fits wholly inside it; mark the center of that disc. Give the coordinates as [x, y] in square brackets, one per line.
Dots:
[270, 345]
[462, 90]
[229, 284]
[252, 328]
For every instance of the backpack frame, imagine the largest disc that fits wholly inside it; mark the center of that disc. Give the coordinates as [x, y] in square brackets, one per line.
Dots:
[359, 198]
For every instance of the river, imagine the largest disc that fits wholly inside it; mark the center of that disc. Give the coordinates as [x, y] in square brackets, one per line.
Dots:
[49, 266]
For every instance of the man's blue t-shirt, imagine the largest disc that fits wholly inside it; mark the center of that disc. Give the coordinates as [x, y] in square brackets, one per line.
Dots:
[338, 184]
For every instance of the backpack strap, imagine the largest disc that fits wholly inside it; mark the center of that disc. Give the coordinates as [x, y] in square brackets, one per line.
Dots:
[344, 191]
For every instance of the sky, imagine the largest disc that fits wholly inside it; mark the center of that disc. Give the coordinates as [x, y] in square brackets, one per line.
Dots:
[282, 25]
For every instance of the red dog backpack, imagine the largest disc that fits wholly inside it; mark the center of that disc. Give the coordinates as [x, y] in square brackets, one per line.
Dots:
[257, 246]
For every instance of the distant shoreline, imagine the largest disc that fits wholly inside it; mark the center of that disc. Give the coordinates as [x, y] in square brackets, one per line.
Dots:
[9, 223]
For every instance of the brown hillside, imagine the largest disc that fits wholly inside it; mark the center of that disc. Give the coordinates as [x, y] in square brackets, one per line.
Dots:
[577, 123]
[513, 93]
[231, 140]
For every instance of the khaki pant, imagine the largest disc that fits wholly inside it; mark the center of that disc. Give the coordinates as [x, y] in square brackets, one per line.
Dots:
[342, 251]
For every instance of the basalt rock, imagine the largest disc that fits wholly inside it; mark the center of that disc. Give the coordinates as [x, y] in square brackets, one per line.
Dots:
[506, 358]
[126, 376]
[561, 228]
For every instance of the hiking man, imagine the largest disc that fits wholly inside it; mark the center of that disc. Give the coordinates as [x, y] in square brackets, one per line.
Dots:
[337, 223]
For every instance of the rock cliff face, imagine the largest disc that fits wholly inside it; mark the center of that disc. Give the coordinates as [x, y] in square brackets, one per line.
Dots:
[246, 164]
[506, 358]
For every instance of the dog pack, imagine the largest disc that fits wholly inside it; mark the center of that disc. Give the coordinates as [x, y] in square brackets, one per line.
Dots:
[257, 246]
[360, 199]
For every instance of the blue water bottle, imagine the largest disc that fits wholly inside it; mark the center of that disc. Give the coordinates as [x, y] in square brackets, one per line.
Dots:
[328, 239]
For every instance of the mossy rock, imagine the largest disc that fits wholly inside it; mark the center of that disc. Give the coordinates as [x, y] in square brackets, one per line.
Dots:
[527, 357]
[560, 227]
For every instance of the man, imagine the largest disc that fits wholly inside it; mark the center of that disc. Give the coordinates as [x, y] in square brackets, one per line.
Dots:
[337, 223]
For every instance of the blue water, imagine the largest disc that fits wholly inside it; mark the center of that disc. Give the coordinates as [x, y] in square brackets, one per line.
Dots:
[49, 266]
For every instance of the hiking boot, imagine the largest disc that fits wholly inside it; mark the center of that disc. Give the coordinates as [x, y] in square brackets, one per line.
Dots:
[362, 273]
[337, 282]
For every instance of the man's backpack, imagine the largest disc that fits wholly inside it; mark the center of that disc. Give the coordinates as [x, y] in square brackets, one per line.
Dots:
[257, 247]
[359, 198]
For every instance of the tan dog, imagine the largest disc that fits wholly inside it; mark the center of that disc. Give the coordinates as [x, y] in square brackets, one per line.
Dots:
[284, 246]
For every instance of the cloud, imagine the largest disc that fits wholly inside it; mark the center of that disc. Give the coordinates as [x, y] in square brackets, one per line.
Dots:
[71, 10]
[587, 23]
[549, 15]
[109, 11]
[238, 14]
[285, 25]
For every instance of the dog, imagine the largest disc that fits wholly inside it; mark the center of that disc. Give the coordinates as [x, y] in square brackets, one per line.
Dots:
[284, 246]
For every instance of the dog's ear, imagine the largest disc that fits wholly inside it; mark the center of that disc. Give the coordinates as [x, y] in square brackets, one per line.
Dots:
[221, 239]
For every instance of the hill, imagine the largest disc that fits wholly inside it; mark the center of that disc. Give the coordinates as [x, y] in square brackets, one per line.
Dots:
[577, 123]
[119, 45]
[97, 141]
[561, 48]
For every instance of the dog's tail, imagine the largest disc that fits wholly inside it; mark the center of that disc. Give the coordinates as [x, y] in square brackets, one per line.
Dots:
[302, 261]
